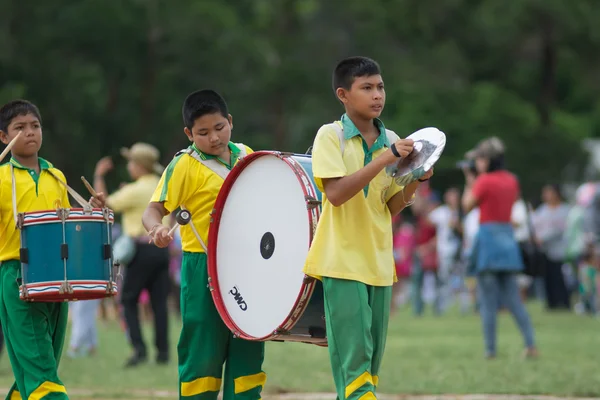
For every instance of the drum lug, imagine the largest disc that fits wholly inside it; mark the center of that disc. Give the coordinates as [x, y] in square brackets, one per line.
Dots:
[20, 220]
[283, 154]
[118, 275]
[25, 292]
[106, 214]
[62, 213]
[209, 285]
[311, 202]
[65, 287]
[281, 332]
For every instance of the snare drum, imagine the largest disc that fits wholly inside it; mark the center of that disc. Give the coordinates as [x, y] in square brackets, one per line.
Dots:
[261, 229]
[66, 254]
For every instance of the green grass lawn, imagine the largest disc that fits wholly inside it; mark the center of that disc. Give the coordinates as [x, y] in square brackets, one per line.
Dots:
[428, 355]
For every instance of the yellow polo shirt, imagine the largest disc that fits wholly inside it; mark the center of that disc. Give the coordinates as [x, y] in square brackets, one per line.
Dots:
[35, 192]
[352, 241]
[189, 183]
[131, 201]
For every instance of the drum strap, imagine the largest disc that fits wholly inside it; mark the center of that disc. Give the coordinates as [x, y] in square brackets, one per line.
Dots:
[339, 129]
[214, 165]
[219, 169]
[14, 194]
[191, 224]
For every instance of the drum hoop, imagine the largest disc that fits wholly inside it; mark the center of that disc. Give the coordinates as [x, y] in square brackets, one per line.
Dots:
[71, 218]
[307, 287]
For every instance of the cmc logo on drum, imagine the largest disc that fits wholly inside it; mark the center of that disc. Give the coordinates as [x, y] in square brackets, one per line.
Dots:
[237, 296]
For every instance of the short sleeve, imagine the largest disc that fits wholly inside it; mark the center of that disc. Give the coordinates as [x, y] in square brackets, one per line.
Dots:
[436, 216]
[394, 187]
[248, 150]
[327, 161]
[123, 198]
[172, 190]
[393, 190]
[480, 188]
[519, 212]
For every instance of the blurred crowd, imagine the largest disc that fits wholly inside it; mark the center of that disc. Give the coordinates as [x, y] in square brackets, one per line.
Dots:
[433, 248]
[452, 252]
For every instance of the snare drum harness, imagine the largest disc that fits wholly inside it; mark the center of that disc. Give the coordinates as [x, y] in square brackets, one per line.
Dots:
[216, 167]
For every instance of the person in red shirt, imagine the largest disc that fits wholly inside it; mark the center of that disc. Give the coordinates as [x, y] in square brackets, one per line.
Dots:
[425, 258]
[496, 258]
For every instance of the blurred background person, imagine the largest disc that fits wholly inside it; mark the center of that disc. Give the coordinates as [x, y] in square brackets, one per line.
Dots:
[550, 222]
[424, 273]
[495, 257]
[445, 218]
[404, 247]
[147, 266]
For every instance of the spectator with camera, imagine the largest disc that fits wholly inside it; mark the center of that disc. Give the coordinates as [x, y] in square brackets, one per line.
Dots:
[495, 258]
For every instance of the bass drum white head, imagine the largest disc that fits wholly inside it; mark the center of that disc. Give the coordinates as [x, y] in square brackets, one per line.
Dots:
[263, 233]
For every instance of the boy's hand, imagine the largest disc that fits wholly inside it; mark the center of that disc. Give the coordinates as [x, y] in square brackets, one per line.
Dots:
[427, 175]
[160, 235]
[404, 147]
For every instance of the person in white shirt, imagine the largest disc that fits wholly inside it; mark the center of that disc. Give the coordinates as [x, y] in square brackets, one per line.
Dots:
[522, 235]
[446, 220]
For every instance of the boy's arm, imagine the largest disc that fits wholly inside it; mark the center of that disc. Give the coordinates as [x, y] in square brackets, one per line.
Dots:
[152, 220]
[171, 192]
[329, 168]
[402, 199]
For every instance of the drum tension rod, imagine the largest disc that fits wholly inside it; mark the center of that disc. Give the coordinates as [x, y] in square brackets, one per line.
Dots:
[311, 202]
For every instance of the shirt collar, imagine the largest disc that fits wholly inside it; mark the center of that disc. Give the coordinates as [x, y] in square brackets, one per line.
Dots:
[44, 164]
[350, 130]
[235, 152]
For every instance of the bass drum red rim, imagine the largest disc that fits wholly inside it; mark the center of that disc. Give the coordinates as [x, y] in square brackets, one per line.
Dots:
[212, 261]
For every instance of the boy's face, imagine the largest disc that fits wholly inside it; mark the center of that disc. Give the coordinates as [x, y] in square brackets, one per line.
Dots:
[31, 139]
[211, 133]
[366, 96]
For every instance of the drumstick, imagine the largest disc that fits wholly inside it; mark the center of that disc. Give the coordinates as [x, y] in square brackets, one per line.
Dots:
[9, 146]
[89, 187]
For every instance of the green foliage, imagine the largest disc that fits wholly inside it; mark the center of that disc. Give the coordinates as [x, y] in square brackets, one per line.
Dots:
[107, 74]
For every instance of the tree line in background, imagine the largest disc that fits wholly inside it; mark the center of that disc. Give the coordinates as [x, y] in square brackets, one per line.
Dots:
[106, 74]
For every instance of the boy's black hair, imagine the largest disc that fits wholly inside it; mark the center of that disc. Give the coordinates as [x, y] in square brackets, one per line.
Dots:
[351, 68]
[14, 108]
[202, 102]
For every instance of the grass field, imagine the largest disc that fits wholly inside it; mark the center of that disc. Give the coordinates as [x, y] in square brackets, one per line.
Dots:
[427, 355]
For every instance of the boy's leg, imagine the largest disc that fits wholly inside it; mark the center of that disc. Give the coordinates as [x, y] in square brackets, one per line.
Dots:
[13, 392]
[378, 299]
[348, 318]
[204, 339]
[59, 316]
[244, 377]
[33, 338]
